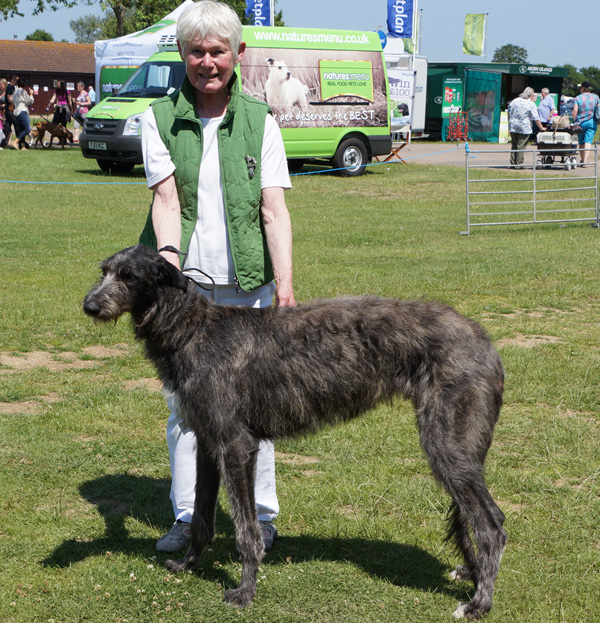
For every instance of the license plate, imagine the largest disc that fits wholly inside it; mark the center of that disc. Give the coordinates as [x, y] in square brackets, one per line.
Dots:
[97, 146]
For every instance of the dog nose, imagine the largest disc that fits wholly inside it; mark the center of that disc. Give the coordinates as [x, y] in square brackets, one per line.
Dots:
[91, 308]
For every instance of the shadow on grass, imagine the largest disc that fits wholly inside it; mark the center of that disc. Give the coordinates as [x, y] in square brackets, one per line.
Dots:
[324, 167]
[117, 497]
[120, 496]
[137, 174]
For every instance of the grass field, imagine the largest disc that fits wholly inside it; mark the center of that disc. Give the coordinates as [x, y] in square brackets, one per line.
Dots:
[83, 461]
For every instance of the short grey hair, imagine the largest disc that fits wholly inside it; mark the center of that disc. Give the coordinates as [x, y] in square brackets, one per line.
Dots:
[545, 91]
[527, 93]
[210, 19]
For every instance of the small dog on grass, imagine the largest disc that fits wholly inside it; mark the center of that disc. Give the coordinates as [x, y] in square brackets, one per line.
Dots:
[241, 375]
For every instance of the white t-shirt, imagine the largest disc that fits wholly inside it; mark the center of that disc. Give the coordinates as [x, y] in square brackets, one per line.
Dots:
[209, 248]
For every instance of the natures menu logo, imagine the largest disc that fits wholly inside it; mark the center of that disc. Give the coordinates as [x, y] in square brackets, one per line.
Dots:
[346, 78]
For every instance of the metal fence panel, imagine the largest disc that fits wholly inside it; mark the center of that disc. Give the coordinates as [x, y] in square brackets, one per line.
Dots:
[541, 190]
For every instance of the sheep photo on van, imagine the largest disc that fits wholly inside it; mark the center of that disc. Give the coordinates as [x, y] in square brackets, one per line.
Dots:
[318, 88]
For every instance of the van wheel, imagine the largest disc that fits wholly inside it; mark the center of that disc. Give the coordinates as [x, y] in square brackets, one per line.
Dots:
[295, 165]
[115, 167]
[350, 158]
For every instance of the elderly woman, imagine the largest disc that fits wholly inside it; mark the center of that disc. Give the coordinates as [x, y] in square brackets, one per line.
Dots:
[583, 113]
[521, 112]
[216, 164]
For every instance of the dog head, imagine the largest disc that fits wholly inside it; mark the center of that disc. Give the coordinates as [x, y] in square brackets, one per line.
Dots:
[278, 70]
[133, 280]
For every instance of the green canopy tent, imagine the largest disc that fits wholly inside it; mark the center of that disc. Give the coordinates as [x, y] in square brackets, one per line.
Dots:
[485, 92]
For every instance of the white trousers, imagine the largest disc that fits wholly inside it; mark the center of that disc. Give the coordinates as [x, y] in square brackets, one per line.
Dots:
[182, 441]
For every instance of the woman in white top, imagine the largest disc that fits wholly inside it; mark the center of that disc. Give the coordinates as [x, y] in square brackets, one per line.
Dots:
[210, 42]
[22, 98]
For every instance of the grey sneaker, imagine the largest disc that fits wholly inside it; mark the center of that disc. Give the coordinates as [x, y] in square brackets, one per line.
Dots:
[268, 532]
[178, 537]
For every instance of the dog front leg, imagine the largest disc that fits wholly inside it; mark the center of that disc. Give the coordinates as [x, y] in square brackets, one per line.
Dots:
[239, 471]
[205, 505]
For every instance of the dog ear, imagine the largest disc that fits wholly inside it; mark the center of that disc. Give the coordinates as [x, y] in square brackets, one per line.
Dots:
[178, 279]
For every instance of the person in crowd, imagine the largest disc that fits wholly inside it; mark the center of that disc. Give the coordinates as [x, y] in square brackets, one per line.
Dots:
[82, 106]
[583, 114]
[522, 111]
[201, 147]
[3, 84]
[92, 94]
[546, 108]
[10, 121]
[566, 105]
[61, 100]
[22, 98]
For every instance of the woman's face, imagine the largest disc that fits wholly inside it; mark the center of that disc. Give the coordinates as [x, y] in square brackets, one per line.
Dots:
[210, 63]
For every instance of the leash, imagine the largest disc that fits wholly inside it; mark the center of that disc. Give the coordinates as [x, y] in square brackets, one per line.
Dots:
[44, 118]
[171, 249]
[198, 283]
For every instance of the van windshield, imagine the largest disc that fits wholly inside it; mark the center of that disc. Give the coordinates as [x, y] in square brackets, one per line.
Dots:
[154, 79]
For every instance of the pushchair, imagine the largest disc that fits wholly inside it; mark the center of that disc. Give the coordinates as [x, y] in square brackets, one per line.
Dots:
[559, 142]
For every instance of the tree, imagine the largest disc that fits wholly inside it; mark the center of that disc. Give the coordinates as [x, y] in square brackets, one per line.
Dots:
[591, 74]
[144, 14]
[88, 29]
[39, 35]
[571, 81]
[135, 15]
[152, 11]
[510, 53]
[120, 8]
[10, 8]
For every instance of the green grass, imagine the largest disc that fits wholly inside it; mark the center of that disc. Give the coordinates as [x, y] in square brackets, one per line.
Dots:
[84, 465]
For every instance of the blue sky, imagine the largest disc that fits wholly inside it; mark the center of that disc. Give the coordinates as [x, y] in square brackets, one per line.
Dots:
[541, 27]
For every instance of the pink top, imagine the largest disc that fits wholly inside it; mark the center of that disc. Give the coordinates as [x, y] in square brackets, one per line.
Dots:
[62, 99]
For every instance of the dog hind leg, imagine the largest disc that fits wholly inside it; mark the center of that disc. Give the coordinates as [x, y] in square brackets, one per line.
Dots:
[476, 520]
[458, 531]
[485, 520]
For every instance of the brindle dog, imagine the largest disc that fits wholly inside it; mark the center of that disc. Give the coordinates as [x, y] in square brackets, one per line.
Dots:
[241, 375]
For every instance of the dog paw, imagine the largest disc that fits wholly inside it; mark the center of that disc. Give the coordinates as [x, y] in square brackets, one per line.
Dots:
[238, 597]
[459, 613]
[469, 611]
[461, 574]
[177, 566]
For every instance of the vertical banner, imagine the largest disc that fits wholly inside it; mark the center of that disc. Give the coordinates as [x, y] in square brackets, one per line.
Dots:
[453, 96]
[400, 18]
[402, 87]
[474, 34]
[259, 11]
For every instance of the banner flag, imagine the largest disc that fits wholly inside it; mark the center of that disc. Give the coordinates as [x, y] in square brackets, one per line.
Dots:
[400, 18]
[259, 11]
[474, 34]
[410, 46]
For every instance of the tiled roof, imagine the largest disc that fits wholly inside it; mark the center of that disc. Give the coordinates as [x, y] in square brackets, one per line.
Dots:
[46, 57]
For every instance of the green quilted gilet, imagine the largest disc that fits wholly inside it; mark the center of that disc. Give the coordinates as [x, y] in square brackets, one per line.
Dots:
[240, 138]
